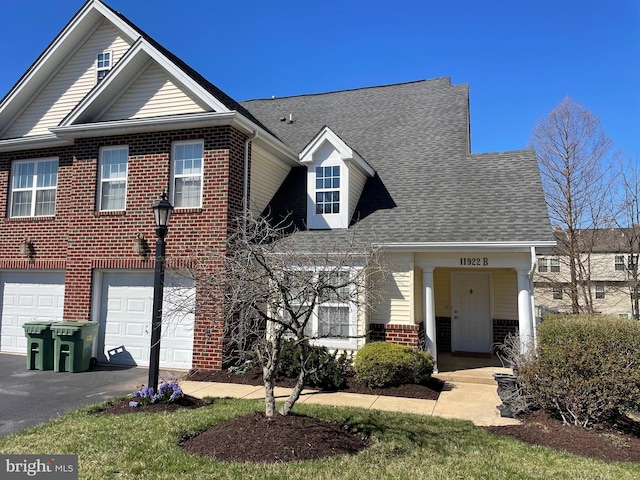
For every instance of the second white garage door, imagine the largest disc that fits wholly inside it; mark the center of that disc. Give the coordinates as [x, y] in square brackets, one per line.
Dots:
[126, 300]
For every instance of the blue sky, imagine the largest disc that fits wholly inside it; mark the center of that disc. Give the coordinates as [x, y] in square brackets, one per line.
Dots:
[520, 58]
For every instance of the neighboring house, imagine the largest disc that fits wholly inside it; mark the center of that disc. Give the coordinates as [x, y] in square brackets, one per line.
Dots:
[106, 119]
[610, 281]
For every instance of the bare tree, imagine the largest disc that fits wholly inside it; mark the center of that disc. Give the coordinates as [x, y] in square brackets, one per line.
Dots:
[574, 157]
[628, 221]
[270, 287]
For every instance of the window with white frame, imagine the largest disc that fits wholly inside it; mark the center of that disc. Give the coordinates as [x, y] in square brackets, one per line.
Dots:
[33, 188]
[103, 65]
[542, 265]
[186, 174]
[112, 186]
[600, 291]
[333, 320]
[557, 293]
[555, 264]
[633, 262]
[328, 189]
[619, 262]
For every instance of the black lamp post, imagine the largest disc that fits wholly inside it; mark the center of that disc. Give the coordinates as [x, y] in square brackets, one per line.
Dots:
[161, 211]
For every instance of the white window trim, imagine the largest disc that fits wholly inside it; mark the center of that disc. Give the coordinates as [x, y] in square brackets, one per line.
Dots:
[325, 150]
[172, 188]
[351, 341]
[102, 181]
[103, 69]
[34, 188]
[543, 265]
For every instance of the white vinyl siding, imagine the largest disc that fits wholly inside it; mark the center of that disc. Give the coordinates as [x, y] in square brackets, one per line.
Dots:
[112, 188]
[153, 94]
[69, 85]
[396, 307]
[266, 178]
[505, 294]
[357, 179]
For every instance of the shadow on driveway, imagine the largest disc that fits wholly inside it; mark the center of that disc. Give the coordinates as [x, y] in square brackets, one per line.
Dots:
[30, 397]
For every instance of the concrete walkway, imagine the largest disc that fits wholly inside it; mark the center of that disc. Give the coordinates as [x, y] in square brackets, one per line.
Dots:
[469, 394]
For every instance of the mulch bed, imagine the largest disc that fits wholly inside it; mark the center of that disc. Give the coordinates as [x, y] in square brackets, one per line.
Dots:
[256, 438]
[122, 406]
[619, 443]
[429, 391]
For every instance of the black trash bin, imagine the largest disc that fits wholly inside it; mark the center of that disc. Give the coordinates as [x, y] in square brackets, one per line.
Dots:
[73, 345]
[39, 345]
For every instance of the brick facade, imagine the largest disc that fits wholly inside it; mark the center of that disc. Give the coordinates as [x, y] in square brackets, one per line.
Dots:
[80, 239]
[401, 334]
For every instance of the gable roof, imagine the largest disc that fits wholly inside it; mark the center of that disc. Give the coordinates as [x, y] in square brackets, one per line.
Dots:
[428, 188]
[142, 48]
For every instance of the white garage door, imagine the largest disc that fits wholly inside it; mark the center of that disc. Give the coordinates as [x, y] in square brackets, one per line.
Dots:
[28, 297]
[125, 320]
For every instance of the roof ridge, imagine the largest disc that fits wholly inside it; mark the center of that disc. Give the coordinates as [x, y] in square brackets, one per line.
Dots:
[370, 87]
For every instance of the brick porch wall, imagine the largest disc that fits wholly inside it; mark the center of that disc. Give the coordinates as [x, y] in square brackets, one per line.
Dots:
[401, 334]
[79, 239]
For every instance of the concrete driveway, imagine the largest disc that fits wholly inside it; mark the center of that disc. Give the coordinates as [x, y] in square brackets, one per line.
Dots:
[30, 397]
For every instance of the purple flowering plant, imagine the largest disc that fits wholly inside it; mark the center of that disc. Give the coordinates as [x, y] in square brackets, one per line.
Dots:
[167, 392]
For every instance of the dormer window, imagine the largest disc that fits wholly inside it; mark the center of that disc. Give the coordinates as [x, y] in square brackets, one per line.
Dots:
[336, 175]
[103, 65]
[327, 190]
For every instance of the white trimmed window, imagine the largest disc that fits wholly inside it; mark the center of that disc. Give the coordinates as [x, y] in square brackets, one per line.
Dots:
[103, 65]
[333, 322]
[186, 174]
[557, 293]
[619, 262]
[599, 291]
[33, 188]
[542, 265]
[327, 190]
[112, 193]
[555, 264]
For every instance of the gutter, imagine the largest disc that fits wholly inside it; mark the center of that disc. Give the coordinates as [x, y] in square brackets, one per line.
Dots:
[245, 183]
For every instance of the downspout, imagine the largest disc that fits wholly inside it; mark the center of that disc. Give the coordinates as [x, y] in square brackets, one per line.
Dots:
[533, 305]
[245, 184]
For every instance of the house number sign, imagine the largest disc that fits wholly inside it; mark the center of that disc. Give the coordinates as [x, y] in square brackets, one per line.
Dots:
[474, 261]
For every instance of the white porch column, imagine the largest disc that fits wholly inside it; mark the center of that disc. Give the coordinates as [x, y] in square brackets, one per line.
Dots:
[525, 311]
[430, 315]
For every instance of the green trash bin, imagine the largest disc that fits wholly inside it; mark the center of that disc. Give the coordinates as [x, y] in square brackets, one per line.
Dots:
[73, 345]
[39, 345]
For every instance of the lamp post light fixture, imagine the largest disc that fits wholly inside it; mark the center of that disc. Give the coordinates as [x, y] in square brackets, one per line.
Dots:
[162, 212]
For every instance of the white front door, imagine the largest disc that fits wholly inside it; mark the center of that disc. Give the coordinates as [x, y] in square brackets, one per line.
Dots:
[126, 306]
[471, 326]
[28, 297]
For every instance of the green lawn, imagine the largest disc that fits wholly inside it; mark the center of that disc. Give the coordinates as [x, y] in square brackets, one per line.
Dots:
[145, 446]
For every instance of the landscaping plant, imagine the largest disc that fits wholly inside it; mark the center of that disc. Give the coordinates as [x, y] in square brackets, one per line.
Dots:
[586, 370]
[385, 364]
[167, 392]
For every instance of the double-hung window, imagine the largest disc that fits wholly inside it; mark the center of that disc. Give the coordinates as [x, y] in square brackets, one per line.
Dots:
[599, 292]
[555, 264]
[332, 321]
[103, 65]
[619, 262]
[33, 188]
[557, 293]
[113, 178]
[542, 265]
[187, 170]
[328, 189]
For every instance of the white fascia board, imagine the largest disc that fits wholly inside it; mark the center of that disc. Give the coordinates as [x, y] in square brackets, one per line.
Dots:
[176, 122]
[33, 142]
[347, 154]
[465, 246]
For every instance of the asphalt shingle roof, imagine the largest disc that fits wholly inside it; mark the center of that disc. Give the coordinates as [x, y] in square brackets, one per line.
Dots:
[428, 187]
